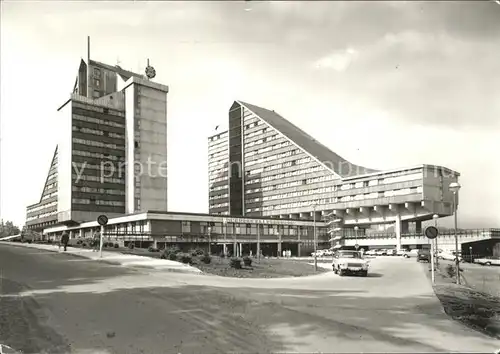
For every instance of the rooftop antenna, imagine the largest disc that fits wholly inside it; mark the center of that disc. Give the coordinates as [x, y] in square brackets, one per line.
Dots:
[118, 62]
[88, 67]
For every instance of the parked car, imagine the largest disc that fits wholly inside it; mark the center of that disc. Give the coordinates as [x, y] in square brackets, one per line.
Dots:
[424, 255]
[403, 252]
[450, 256]
[381, 252]
[371, 252]
[349, 262]
[488, 261]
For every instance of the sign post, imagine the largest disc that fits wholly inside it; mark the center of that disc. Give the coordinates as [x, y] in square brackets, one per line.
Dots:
[431, 232]
[101, 220]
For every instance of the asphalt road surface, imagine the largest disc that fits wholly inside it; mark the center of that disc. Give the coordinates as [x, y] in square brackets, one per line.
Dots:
[57, 303]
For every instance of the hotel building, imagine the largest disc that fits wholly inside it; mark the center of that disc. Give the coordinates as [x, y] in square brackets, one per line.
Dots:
[272, 168]
[113, 126]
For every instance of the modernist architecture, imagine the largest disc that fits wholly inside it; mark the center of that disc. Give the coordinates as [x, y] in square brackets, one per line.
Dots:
[266, 166]
[235, 235]
[112, 154]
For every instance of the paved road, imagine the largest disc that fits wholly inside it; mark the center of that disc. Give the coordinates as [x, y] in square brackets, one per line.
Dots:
[60, 303]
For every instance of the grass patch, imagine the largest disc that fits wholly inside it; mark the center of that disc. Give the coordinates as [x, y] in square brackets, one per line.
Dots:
[266, 268]
[475, 309]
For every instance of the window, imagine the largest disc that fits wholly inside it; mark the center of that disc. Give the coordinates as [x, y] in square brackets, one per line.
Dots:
[136, 144]
[97, 83]
[97, 72]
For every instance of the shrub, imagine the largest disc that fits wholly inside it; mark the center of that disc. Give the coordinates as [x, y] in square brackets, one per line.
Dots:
[117, 245]
[79, 242]
[222, 255]
[151, 249]
[172, 256]
[205, 258]
[197, 252]
[247, 261]
[235, 263]
[84, 244]
[450, 271]
[131, 245]
[184, 258]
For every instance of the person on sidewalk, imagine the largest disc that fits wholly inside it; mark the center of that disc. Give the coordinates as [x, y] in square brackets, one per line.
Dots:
[65, 240]
[96, 242]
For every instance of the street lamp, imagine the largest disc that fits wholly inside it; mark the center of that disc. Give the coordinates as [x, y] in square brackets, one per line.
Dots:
[455, 187]
[436, 217]
[356, 237]
[314, 235]
[209, 229]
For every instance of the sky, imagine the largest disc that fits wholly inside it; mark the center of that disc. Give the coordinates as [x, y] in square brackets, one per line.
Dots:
[383, 84]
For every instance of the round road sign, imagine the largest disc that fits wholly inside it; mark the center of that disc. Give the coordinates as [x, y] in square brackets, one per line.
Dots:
[356, 246]
[102, 220]
[431, 232]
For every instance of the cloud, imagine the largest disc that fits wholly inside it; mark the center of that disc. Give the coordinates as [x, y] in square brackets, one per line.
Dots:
[338, 61]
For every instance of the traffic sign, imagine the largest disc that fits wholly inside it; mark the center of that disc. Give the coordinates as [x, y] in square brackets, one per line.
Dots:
[102, 219]
[356, 246]
[431, 232]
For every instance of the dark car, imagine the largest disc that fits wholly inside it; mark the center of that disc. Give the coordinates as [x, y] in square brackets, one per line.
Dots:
[424, 255]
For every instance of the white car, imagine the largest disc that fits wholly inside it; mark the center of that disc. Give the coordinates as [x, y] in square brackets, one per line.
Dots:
[449, 256]
[371, 252]
[349, 262]
[488, 261]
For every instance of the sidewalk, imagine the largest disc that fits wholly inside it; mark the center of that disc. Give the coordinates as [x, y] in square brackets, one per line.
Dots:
[115, 258]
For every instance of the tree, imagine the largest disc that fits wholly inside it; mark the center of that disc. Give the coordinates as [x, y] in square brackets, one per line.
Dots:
[8, 229]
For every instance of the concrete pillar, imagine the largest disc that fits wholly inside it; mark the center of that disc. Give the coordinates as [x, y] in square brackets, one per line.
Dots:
[418, 227]
[224, 247]
[81, 233]
[279, 247]
[397, 229]
[155, 243]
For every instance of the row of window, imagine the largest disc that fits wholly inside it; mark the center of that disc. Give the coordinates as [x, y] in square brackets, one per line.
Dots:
[78, 166]
[221, 196]
[217, 137]
[90, 105]
[41, 207]
[280, 166]
[51, 185]
[221, 153]
[267, 148]
[52, 176]
[272, 157]
[292, 184]
[98, 132]
[218, 179]
[262, 141]
[386, 180]
[96, 155]
[41, 216]
[98, 190]
[99, 179]
[47, 196]
[98, 121]
[220, 205]
[291, 194]
[98, 144]
[98, 202]
[255, 133]
[219, 188]
[285, 175]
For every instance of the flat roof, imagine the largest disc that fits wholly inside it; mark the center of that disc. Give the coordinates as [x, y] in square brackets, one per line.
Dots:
[185, 216]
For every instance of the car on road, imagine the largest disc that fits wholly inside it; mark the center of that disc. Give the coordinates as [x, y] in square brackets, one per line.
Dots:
[450, 256]
[488, 261]
[372, 252]
[349, 262]
[424, 255]
[381, 252]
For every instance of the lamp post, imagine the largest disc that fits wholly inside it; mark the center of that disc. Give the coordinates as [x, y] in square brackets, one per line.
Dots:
[315, 239]
[224, 248]
[455, 187]
[356, 228]
[436, 217]
[209, 229]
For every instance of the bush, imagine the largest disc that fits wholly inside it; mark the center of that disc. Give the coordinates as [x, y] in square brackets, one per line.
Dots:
[184, 258]
[222, 255]
[117, 245]
[205, 258]
[235, 263]
[450, 271]
[247, 261]
[79, 242]
[131, 245]
[197, 252]
[84, 244]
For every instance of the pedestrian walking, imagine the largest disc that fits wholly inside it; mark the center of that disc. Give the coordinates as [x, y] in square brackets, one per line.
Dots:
[96, 241]
[65, 240]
